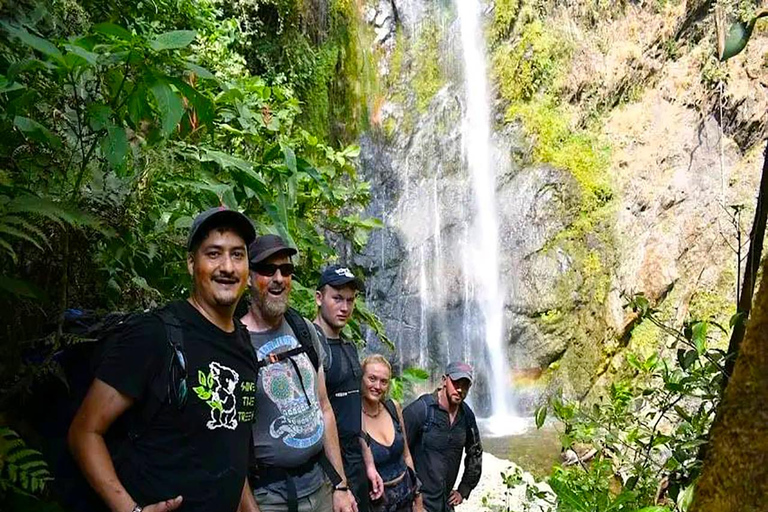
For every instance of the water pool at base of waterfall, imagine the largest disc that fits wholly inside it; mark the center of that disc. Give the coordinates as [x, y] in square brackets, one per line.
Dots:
[534, 450]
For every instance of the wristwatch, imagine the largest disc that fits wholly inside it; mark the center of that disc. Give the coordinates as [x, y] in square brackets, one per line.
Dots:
[137, 508]
[341, 488]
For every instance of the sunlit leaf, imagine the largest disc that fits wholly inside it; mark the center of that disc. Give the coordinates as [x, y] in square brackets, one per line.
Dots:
[169, 104]
[200, 71]
[172, 40]
[699, 336]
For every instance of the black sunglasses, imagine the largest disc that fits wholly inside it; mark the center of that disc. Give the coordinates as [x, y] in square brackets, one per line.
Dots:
[177, 383]
[269, 269]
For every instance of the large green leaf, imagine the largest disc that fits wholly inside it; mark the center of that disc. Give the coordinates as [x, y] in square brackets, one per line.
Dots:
[199, 71]
[173, 40]
[170, 106]
[99, 116]
[110, 29]
[289, 156]
[36, 131]
[38, 43]
[89, 57]
[138, 106]
[114, 145]
[225, 160]
[700, 337]
[313, 173]
[8, 85]
[202, 105]
[20, 288]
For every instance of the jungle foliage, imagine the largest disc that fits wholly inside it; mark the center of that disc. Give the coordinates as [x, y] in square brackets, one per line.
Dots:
[123, 120]
[641, 445]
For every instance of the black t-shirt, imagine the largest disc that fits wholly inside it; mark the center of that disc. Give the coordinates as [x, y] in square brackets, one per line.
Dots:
[342, 381]
[200, 452]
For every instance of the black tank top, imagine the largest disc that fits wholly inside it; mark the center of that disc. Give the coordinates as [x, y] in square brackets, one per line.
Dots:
[389, 459]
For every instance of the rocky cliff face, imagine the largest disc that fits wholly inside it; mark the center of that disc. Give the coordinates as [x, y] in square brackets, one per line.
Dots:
[663, 226]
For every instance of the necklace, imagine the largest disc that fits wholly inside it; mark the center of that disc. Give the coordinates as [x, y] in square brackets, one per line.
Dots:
[373, 415]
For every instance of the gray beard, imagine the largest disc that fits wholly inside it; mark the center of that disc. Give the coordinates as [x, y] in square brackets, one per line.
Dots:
[269, 307]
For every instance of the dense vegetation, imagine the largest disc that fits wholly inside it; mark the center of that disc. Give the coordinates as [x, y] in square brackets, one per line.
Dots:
[121, 121]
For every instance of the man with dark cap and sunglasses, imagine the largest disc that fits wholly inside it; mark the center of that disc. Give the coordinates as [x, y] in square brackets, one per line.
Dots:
[335, 298]
[181, 381]
[295, 442]
[441, 427]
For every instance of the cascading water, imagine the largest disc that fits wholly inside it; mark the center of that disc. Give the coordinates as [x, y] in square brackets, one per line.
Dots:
[482, 265]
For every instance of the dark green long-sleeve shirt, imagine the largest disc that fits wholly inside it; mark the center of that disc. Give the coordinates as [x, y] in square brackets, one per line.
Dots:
[437, 449]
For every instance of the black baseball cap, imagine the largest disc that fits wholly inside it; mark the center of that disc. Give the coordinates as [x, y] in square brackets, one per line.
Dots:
[338, 276]
[220, 216]
[267, 245]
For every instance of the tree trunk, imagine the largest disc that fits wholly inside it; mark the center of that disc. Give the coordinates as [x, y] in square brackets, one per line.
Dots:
[735, 474]
[750, 271]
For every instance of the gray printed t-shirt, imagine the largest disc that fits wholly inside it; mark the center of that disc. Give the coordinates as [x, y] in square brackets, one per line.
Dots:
[288, 428]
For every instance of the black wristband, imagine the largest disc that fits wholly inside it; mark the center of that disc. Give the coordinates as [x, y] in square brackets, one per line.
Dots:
[341, 488]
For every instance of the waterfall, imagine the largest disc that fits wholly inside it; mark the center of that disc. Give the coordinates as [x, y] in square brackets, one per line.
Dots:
[482, 265]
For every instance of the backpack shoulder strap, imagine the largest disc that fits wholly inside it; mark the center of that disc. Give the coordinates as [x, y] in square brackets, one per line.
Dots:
[160, 387]
[389, 405]
[429, 419]
[303, 334]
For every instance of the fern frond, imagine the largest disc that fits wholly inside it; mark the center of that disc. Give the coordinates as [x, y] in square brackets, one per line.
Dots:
[22, 469]
[23, 223]
[17, 233]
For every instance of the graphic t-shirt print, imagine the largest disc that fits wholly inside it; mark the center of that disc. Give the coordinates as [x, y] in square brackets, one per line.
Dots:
[299, 421]
[218, 390]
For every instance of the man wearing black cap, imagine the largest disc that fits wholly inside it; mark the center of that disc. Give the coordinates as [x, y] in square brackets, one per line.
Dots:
[295, 442]
[335, 299]
[440, 427]
[181, 381]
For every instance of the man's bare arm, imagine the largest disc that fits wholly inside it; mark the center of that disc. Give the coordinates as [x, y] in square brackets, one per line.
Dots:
[247, 501]
[102, 406]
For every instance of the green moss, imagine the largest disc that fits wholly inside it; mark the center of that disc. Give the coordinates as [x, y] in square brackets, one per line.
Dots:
[711, 305]
[428, 76]
[505, 14]
[529, 64]
[645, 339]
[582, 153]
[343, 78]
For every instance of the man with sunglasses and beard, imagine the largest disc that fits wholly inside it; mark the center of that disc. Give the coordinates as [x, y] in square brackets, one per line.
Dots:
[441, 427]
[166, 424]
[295, 441]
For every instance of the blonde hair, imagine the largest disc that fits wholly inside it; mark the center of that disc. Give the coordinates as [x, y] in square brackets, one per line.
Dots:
[376, 359]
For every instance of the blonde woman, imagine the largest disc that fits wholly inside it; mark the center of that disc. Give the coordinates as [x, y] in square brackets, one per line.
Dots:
[385, 432]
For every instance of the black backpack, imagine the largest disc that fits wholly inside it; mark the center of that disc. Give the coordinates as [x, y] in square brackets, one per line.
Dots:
[301, 329]
[88, 334]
